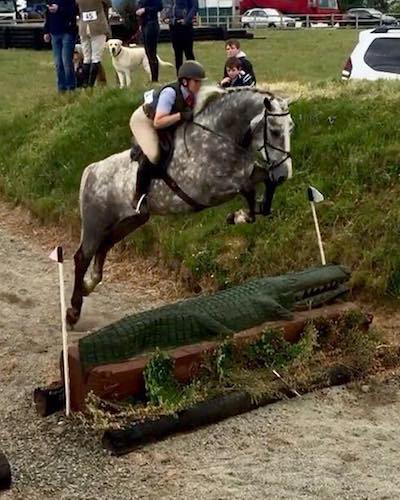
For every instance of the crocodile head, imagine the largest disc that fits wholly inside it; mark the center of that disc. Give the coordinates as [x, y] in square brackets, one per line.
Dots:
[312, 287]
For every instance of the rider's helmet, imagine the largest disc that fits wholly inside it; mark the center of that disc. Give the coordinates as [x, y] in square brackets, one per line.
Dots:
[191, 70]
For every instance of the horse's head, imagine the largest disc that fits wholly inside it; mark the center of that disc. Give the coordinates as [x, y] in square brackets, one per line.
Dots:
[269, 136]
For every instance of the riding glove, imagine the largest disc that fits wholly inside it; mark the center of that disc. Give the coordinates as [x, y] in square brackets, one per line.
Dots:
[187, 116]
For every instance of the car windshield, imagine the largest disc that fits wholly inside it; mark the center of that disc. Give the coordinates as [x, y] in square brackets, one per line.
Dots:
[7, 6]
[272, 12]
[328, 4]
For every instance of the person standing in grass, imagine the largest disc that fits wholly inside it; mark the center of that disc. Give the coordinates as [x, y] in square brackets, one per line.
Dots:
[93, 32]
[60, 29]
[148, 15]
[180, 15]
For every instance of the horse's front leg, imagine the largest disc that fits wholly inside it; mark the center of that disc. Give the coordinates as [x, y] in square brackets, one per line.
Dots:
[266, 204]
[245, 216]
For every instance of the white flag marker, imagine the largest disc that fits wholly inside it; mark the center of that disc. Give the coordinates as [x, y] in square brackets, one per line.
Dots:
[57, 256]
[314, 196]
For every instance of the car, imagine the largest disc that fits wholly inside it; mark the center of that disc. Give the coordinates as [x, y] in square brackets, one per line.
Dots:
[269, 18]
[34, 11]
[376, 55]
[367, 17]
[8, 10]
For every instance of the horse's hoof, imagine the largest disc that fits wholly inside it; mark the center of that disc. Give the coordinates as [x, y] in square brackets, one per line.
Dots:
[72, 317]
[240, 217]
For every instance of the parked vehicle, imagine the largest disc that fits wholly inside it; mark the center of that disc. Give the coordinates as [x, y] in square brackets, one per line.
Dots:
[8, 10]
[376, 55]
[34, 10]
[367, 17]
[303, 7]
[270, 18]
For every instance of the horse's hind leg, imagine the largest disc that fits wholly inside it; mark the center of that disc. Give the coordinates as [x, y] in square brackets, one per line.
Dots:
[97, 271]
[82, 263]
[119, 232]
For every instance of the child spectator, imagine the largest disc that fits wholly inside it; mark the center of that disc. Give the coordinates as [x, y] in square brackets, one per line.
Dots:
[236, 77]
[232, 48]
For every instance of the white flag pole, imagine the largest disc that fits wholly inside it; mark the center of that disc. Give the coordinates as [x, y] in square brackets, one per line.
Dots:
[315, 196]
[57, 255]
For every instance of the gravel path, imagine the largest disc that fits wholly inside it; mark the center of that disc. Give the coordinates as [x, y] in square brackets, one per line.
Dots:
[338, 443]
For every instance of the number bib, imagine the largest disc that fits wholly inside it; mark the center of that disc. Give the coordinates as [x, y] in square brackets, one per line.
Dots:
[148, 96]
[89, 16]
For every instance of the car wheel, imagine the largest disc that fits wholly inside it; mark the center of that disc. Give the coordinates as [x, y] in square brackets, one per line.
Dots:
[272, 25]
[245, 25]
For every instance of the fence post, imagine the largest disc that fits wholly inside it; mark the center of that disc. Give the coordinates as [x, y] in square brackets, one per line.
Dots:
[307, 21]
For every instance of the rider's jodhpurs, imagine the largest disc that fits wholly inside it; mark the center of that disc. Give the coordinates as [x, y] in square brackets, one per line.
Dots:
[145, 134]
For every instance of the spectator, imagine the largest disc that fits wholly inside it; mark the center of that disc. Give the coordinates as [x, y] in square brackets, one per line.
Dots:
[60, 29]
[236, 76]
[180, 14]
[232, 48]
[148, 14]
[93, 32]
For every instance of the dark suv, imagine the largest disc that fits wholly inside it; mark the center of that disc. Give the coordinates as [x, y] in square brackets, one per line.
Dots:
[365, 18]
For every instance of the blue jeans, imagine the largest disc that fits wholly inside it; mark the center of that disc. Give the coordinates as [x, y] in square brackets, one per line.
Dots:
[63, 45]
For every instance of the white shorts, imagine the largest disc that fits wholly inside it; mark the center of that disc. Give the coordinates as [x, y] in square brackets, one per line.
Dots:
[93, 48]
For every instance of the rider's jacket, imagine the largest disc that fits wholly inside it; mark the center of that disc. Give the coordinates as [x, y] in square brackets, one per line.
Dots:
[180, 105]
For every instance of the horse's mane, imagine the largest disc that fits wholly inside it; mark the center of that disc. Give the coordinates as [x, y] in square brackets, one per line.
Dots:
[211, 94]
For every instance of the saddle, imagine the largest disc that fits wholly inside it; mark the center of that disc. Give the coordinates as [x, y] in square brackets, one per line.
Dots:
[160, 171]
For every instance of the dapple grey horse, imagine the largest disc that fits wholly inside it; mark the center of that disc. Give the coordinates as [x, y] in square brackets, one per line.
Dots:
[239, 139]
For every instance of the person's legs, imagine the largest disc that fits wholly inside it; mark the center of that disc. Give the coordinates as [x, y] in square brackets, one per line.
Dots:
[150, 36]
[87, 57]
[187, 42]
[68, 45]
[98, 43]
[56, 45]
[147, 138]
[177, 46]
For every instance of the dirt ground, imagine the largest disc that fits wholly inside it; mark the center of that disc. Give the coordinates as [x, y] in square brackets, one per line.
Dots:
[337, 443]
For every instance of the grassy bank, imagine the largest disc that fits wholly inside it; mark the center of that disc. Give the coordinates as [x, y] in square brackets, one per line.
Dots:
[345, 143]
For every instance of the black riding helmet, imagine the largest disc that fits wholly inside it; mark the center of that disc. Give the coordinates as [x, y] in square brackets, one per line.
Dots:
[191, 70]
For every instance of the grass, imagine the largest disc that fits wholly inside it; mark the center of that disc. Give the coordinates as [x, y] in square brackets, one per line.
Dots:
[345, 143]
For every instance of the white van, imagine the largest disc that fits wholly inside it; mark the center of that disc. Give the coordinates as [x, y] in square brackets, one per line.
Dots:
[8, 10]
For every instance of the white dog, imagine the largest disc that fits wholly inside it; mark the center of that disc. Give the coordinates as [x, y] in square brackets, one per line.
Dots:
[126, 59]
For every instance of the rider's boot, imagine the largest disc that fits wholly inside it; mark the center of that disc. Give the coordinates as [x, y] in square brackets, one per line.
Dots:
[85, 74]
[94, 69]
[143, 180]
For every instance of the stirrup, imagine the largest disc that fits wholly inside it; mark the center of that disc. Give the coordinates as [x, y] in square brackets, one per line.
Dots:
[141, 199]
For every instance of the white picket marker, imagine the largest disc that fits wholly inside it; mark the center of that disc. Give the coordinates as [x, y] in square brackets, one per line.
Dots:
[57, 256]
[314, 196]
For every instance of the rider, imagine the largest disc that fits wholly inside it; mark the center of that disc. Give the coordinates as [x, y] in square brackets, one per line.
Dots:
[163, 109]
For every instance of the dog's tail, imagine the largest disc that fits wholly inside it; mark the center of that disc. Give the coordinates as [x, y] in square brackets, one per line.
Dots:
[164, 63]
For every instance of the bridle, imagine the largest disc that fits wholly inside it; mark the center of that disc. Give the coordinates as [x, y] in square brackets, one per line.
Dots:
[271, 165]
[248, 138]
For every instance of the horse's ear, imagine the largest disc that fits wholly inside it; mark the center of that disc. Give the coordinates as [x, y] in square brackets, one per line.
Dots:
[267, 103]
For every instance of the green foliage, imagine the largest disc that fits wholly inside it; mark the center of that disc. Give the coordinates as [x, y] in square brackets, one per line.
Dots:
[223, 359]
[272, 350]
[161, 385]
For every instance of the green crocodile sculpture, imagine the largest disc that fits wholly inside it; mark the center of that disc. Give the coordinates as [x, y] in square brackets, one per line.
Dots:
[208, 316]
